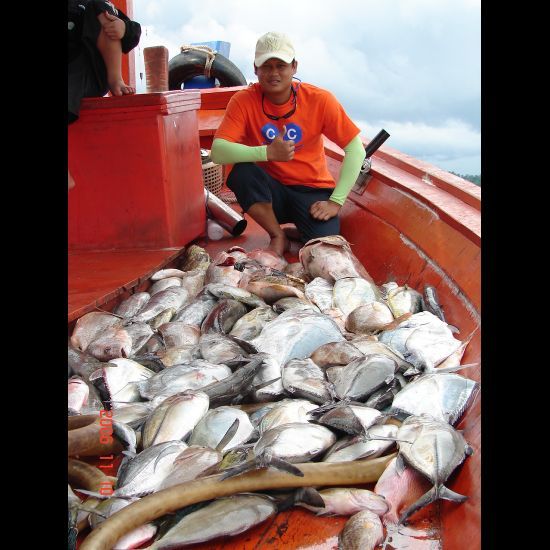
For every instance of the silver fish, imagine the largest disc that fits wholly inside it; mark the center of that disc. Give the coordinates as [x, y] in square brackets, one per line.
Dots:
[172, 298]
[112, 343]
[363, 531]
[370, 344]
[193, 281]
[90, 326]
[351, 292]
[444, 396]
[178, 333]
[219, 348]
[435, 449]
[403, 300]
[363, 376]
[335, 353]
[167, 273]
[350, 418]
[196, 311]
[292, 302]
[250, 325]
[223, 316]
[214, 425]
[348, 501]
[319, 292]
[163, 284]
[220, 290]
[131, 305]
[303, 378]
[287, 411]
[145, 472]
[369, 318]
[174, 418]
[223, 517]
[187, 376]
[368, 446]
[139, 333]
[179, 355]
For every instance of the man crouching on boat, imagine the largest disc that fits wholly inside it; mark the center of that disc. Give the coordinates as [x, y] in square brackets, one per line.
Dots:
[272, 133]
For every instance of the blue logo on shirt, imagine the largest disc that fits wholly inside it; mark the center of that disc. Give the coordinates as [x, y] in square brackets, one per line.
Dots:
[270, 132]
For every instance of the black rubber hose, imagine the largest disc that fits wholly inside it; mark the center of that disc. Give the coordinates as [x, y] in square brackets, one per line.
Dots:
[186, 65]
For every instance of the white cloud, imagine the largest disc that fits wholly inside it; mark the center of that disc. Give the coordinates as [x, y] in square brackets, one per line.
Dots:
[415, 63]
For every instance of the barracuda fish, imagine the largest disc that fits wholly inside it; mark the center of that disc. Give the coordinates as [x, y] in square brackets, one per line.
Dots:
[130, 307]
[250, 325]
[331, 258]
[223, 316]
[145, 472]
[214, 425]
[90, 326]
[195, 258]
[443, 396]
[437, 449]
[376, 442]
[336, 353]
[177, 333]
[369, 318]
[403, 300]
[293, 335]
[196, 311]
[346, 502]
[363, 376]
[188, 376]
[163, 284]
[303, 378]
[174, 418]
[223, 517]
[351, 292]
[222, 291]
[363, 531]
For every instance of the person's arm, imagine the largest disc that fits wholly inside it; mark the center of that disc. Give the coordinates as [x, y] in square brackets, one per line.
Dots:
[227, 152]
[354, 154]
[351, 165]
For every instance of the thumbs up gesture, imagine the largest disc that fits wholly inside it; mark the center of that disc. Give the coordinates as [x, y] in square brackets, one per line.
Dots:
[280, 150]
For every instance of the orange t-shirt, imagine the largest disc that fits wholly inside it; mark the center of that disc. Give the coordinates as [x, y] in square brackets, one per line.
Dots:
[317, 112]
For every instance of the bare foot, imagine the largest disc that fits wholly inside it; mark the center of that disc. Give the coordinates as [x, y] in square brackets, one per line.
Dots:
[119, 87]
[292, 233]
[279, 244]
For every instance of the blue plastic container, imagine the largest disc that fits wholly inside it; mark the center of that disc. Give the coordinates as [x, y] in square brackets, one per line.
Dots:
[202, 81]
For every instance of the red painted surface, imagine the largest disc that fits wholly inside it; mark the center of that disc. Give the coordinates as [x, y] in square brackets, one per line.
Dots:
[136, 161]
[406, 229]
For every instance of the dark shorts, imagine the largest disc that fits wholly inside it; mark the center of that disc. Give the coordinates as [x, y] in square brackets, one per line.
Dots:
[87, 71]
[291, 203]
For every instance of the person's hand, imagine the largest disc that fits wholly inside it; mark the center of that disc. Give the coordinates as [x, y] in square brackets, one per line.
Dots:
[280, 150]
[324, 210]
[113, 27]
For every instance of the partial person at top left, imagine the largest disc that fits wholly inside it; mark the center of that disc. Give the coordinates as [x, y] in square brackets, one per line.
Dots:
[98, 35]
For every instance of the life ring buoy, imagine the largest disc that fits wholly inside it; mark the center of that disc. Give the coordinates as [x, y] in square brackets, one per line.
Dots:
[191, 63]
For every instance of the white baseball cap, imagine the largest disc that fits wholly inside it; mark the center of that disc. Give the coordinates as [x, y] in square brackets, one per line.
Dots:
[273, 44]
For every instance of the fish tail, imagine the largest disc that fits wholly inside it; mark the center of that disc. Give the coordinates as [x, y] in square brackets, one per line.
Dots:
[262, 461]
[424, 500]
[447, 494]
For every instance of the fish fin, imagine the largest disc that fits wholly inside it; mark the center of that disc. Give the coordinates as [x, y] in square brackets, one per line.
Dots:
[309, 495]
[451, 369]
[424, 500]
[130, 454]
[447, 494]
[93, 494]
[246, 346]
[285, 466]
[400, 465]
[161, 454]
[96, 374]
[229, 434]
[240, 469]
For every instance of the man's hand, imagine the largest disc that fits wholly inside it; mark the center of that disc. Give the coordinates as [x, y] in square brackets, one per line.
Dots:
[113, 27]
[280, 150]
[324, 210]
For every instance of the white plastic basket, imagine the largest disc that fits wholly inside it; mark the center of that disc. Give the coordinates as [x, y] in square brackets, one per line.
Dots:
[212, 176]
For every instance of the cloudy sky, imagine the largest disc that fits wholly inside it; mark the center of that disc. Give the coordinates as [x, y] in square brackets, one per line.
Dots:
[412, 67]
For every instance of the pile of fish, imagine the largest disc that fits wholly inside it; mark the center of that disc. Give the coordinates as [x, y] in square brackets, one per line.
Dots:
[245, 361]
